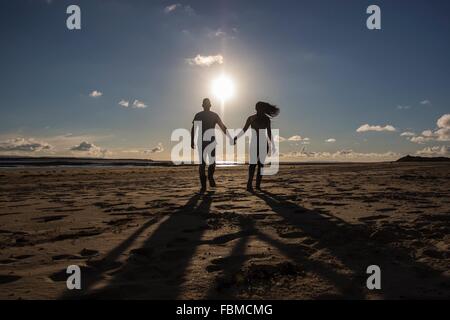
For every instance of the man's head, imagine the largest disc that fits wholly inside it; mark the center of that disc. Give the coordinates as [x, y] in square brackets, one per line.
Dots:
[206, 104]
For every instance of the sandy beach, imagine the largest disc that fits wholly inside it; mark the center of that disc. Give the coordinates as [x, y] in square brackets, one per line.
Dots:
[144, 233]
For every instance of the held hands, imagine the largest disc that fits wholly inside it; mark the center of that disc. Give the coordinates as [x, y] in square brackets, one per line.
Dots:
[234, 141]
[272, 149]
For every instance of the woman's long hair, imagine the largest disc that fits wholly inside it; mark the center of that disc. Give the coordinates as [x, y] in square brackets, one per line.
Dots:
[267, 109]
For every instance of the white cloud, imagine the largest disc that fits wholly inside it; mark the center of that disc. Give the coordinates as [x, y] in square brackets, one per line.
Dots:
[89, 148]
[171, 8]
[217, 33]
[419, 139]
[221, 33]
[427, 133]
[159, 148]
[403, 107]
[176, 6]
[444, 121]
[297, 138]
[279, 139]
[434, 151]
[366, 127]
[342, 155]
[442, 133]
[425, 102]
[205, 61]
[331, 140]
[24, 145]
[124, 103]
[139, 104]
[95, 94]
[408, 134]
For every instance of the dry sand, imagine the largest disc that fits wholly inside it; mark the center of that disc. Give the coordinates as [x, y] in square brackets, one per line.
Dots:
[143, 232]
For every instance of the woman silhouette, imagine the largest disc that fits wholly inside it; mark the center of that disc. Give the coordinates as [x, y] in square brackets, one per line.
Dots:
[260, 124]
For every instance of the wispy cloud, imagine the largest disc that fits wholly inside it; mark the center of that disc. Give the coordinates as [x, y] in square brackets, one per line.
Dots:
[171, 8]
[178, 6]
[23, 145]
[124, 103]
[95, 94]
[205, 61]
[279, 138]
[222, 33]
[366, 128]
[139, 104]
[403, 107]
[331, 140]
[342, 155]
[157, 149]
[420, 139]
[298, 138]
[425, 102]
[407, 134]
[217, 33]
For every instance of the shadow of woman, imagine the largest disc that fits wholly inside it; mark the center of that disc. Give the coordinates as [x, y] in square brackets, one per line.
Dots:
[157, 269]
[350, 246]
[353, 246]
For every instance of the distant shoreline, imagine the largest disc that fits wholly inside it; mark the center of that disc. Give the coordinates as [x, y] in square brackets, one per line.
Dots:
[15, 161]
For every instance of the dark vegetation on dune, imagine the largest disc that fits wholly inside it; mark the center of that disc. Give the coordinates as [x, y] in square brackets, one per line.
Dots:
[409, 158]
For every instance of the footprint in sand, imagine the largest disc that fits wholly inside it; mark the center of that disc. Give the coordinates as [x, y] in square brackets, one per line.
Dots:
[66, 257]
[62, 275]
[88, 253]
[7, 261]
[372, 218]
[386, 209]
[6, 278]
[49, 218]
[145, 253]
[292, 235]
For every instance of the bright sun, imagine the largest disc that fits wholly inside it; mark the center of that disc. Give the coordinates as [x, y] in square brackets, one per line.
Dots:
[223, 88]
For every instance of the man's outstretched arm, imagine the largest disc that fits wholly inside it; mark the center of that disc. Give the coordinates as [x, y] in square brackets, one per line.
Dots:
[224, 129]
[192, 136]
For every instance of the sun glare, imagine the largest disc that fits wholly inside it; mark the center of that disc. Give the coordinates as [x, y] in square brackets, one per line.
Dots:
[223, 88]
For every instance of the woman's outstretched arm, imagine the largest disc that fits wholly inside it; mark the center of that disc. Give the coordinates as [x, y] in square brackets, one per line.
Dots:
[246, 126]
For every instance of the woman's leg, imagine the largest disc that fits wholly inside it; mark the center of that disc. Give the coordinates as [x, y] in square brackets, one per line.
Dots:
[259, 176]
[251, 174]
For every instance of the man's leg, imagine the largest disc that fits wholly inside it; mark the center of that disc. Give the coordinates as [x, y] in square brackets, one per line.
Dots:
[212, 168]
[201, 171]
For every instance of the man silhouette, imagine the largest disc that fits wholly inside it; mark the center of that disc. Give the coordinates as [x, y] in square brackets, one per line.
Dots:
[208, 121]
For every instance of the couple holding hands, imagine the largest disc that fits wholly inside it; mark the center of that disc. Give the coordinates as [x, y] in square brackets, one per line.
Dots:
[259, 122]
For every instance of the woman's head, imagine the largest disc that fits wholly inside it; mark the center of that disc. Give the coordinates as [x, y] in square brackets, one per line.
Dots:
[267, 109]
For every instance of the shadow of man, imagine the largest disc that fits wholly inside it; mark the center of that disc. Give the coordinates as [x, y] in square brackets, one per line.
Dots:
[157, 269]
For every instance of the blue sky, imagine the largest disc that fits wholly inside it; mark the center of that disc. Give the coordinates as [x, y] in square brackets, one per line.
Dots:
[316, 60]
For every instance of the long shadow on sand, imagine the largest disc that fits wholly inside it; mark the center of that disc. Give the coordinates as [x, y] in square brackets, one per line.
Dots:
[351, 246]
[158, 268]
